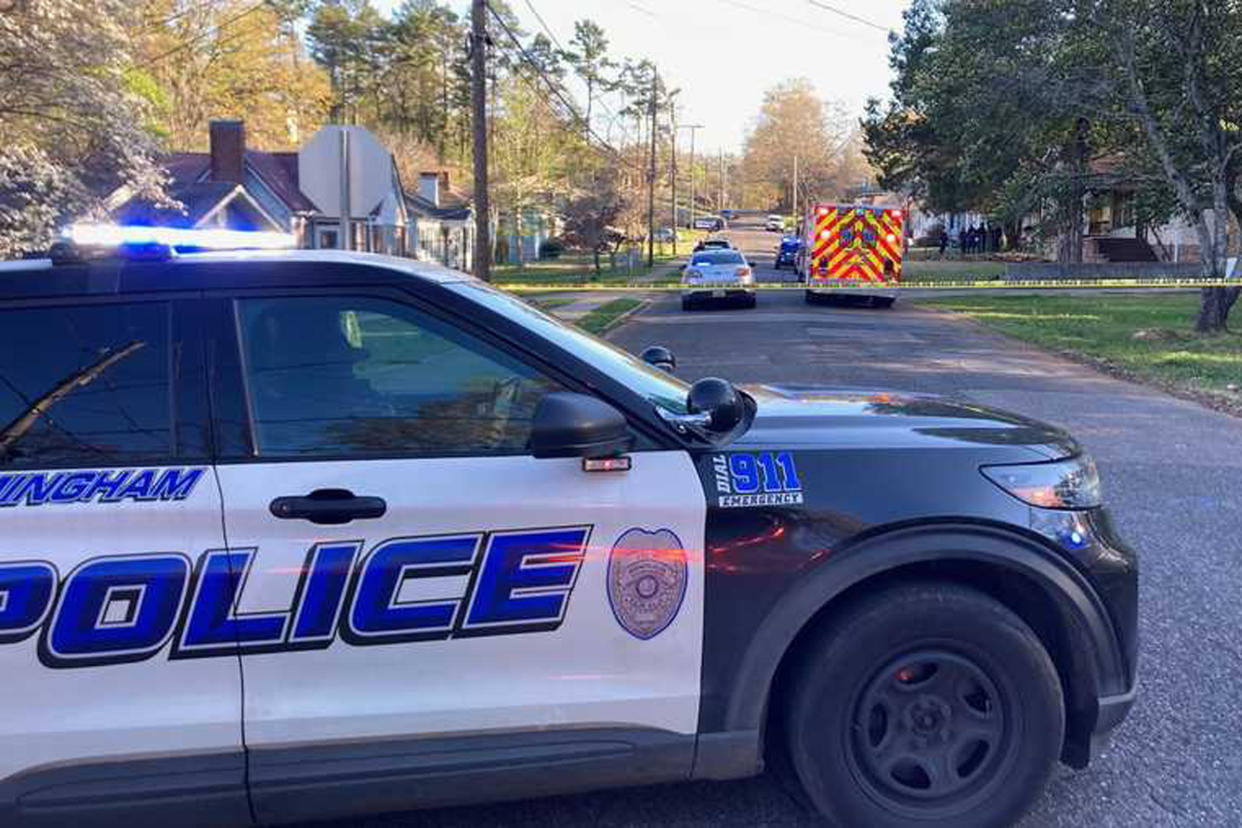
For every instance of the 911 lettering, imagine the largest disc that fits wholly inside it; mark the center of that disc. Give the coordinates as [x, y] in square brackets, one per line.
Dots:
[117, 609]
[764, 479]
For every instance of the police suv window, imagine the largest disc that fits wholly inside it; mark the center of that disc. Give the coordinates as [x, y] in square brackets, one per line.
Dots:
[85, 385]
[331, 376]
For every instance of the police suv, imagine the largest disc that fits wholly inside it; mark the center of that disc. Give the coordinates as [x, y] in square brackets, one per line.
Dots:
[296, 535]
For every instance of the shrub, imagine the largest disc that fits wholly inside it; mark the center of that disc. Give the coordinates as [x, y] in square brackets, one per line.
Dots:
[551, 248]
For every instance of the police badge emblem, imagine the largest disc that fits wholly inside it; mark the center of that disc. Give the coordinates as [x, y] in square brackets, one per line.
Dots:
[647, 573]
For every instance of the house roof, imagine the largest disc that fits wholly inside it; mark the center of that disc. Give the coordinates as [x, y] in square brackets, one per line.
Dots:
[452, 207]
[186, 174]
[279, 170]
[197, 199]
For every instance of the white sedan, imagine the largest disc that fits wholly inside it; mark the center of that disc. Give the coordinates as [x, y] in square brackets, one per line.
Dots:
[717, 274]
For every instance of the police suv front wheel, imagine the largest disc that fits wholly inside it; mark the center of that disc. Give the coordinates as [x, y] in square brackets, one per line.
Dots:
[925, 705]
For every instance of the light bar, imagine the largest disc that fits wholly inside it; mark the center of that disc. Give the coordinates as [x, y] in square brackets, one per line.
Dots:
[111, 235]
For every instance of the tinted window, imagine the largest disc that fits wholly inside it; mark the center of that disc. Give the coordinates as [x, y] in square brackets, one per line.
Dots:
[85, 385]
[651, 383]
[354, 376]
[723, 257]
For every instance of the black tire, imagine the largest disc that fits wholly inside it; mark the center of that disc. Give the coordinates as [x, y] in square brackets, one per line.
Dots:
[749, 301]
[883, 301]
[687, 303]
[874, 720]
[811, 298]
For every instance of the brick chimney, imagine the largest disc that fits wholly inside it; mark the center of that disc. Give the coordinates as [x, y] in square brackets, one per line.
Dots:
[228, 150]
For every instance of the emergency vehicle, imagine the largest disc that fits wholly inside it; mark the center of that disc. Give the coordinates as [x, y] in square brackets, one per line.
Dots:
[852, 244]
[296, 535]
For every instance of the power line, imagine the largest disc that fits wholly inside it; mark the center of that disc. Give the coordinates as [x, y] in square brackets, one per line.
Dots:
[786, 17]
[821, 5]
[215, 30]
[551, 84]
[544, 25]
[548, 31]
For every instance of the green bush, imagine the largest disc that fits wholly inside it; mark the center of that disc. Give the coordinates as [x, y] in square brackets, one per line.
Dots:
[551, 249]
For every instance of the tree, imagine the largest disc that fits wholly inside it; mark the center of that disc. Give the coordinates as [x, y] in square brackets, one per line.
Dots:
[588, 56]
[74, 127]
[992, 111]
[795, 122]
[1178, 69]
[534, 151]
[343, 36]
[226, 58]
[592, 212]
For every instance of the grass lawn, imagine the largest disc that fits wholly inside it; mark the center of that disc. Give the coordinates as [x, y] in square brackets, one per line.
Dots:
[950, 269]
[1102, 328]
[576, 267]
[600, 319]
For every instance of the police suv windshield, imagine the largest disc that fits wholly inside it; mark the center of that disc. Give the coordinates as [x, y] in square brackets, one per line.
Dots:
[656, 386]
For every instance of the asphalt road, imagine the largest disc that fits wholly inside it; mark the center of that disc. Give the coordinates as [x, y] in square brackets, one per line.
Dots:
[1172, 473]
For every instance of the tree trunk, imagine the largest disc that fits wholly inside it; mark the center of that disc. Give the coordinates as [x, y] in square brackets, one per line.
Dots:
[1013, 234]
[597, 273]
[1072, 238]
[1214, 309]
[517, 228]
[1213, 235]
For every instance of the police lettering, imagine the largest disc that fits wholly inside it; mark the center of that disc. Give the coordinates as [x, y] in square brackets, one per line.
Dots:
[117, 609]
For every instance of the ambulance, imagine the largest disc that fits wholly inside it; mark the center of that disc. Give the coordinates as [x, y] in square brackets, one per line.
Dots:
[858, 245]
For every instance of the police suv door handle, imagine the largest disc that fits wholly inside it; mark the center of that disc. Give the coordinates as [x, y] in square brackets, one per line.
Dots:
[329, 507]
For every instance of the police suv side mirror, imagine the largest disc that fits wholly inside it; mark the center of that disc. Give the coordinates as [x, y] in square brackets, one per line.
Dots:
[660, 357]
[717, 399]
[578, 425]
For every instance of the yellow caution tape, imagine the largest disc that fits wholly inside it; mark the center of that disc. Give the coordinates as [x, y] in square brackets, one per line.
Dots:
[987, 284]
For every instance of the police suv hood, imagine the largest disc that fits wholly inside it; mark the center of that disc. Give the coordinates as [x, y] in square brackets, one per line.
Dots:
[795, 415]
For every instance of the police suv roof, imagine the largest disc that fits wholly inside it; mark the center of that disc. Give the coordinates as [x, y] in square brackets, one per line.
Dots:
[215, 269]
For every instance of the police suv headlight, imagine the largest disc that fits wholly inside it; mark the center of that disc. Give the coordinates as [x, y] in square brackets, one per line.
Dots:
[1062, 484]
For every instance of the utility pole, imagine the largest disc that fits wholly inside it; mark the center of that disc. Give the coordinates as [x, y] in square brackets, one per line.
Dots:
[721, 206]
[478, 101]
[794, 200]
[672, 121]
[651, 172]
[692, 128]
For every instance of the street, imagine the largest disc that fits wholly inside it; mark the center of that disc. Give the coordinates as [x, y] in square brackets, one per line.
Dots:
[1168, 468]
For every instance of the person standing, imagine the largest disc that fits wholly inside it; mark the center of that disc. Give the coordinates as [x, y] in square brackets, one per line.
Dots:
[944, 241]
[961, 240]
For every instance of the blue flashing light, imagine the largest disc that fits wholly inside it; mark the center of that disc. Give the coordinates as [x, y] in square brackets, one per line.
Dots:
[175, 238]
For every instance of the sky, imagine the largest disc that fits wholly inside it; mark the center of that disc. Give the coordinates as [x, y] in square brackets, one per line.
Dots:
[724, 54]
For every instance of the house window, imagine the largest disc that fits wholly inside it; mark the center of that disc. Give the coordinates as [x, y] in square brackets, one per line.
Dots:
[328, 240]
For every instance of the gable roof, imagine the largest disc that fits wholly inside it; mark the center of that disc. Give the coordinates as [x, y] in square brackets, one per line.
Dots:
[451, 209]
[189, 184]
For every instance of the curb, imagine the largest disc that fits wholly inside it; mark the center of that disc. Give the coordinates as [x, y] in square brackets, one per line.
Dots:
[625, 317]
